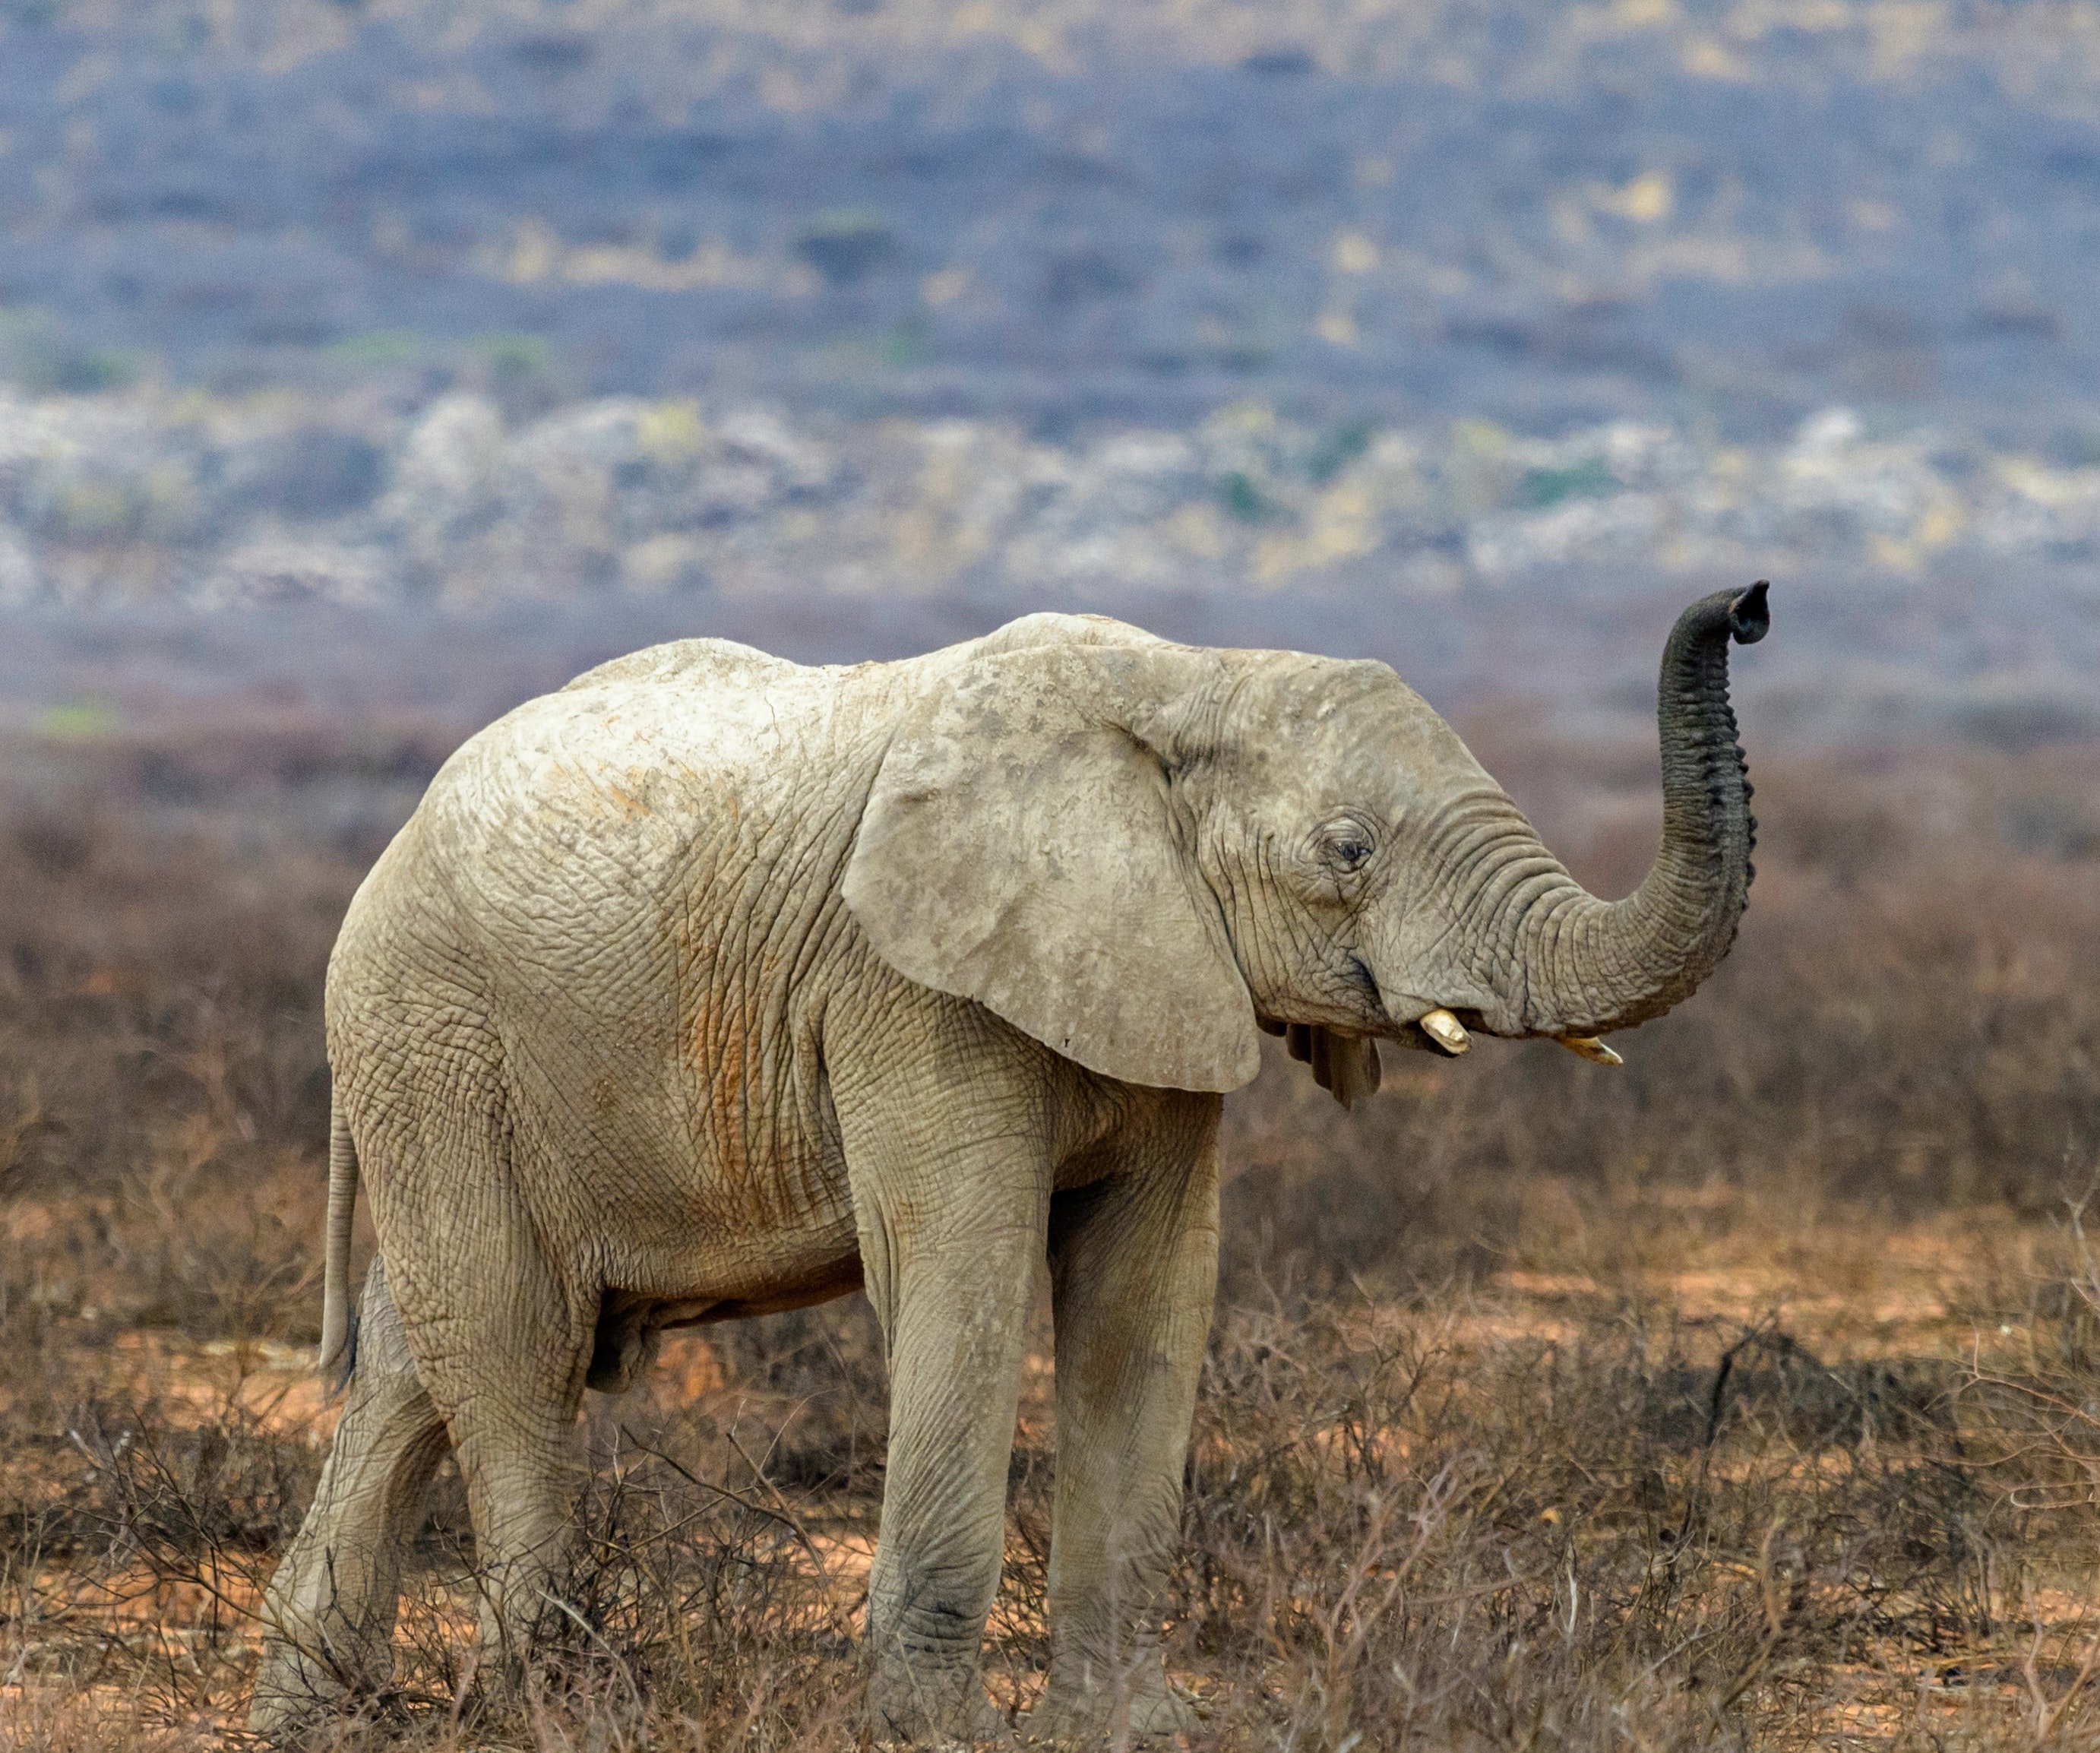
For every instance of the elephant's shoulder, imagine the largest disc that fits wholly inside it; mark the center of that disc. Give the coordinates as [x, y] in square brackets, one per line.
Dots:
[694, 662]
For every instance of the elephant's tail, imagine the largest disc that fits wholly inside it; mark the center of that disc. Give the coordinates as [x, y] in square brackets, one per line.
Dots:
[338, 1325]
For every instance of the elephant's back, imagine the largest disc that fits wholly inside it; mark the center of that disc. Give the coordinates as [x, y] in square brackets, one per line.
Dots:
[648, 791]
[674, 728]
[689, 663]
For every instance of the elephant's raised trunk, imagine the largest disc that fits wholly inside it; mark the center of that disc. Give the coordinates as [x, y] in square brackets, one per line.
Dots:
[1589, 966]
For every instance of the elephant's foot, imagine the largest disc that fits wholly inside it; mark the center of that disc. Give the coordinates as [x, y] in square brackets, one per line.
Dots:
[298, 1696]
[1152, 1711]
[316, 1670]
[941, 1711]
[286, 1704]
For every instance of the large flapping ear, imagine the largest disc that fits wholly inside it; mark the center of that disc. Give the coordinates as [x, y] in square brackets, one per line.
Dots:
[1020, 848]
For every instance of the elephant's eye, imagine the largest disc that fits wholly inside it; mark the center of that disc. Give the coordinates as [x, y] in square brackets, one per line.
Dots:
[1347, 846]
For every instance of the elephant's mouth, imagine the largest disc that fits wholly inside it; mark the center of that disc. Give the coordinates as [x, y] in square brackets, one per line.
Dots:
[1443, 1029]
[1447, 1032]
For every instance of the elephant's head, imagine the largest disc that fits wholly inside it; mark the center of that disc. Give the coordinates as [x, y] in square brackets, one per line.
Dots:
[1140, 852]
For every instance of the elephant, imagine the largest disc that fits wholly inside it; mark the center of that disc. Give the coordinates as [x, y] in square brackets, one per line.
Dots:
[713, 985]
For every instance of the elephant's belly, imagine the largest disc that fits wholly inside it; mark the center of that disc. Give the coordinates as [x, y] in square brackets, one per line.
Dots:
[697, 1199]
[834, 1278]
[769, 1225]
[790, 1272]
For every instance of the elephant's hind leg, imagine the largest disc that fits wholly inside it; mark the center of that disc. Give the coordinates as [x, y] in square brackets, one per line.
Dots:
[329, 1613]
[504, 1352]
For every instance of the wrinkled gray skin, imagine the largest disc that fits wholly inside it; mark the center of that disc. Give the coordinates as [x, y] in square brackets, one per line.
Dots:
[711, 985]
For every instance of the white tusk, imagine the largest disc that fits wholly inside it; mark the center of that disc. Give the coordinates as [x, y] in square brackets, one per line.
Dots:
[1446, 1031]
[1590, 1047]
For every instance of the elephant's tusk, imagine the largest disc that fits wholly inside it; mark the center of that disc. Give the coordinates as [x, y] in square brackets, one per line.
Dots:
[1446, 1031]
[1590, 1047]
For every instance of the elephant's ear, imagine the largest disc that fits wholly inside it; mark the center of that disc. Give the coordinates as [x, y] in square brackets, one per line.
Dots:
[1020, 848]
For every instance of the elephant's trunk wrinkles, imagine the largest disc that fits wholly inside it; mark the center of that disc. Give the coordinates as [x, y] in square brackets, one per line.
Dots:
[1580, 966]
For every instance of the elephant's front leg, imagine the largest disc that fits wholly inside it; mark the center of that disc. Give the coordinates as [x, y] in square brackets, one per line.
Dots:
[951, 1249]
[1134, 1270]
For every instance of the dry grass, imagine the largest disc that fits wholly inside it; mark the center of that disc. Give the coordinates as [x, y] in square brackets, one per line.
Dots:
[1750, 1396]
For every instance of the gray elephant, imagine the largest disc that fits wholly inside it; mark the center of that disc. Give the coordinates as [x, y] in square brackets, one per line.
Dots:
[711, 985]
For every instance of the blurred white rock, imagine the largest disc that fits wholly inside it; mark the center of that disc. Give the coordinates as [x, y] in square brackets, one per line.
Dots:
[443, 479]
[288, 568]
[21, 580]
[230, 502]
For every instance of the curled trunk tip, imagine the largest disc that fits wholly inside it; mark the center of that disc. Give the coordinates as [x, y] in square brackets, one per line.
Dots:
[1749, 616]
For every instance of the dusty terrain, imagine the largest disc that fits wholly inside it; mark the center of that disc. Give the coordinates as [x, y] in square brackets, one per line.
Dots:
[1743, 1397]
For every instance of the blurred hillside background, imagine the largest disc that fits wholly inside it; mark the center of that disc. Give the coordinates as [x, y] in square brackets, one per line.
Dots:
[1469, 333]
